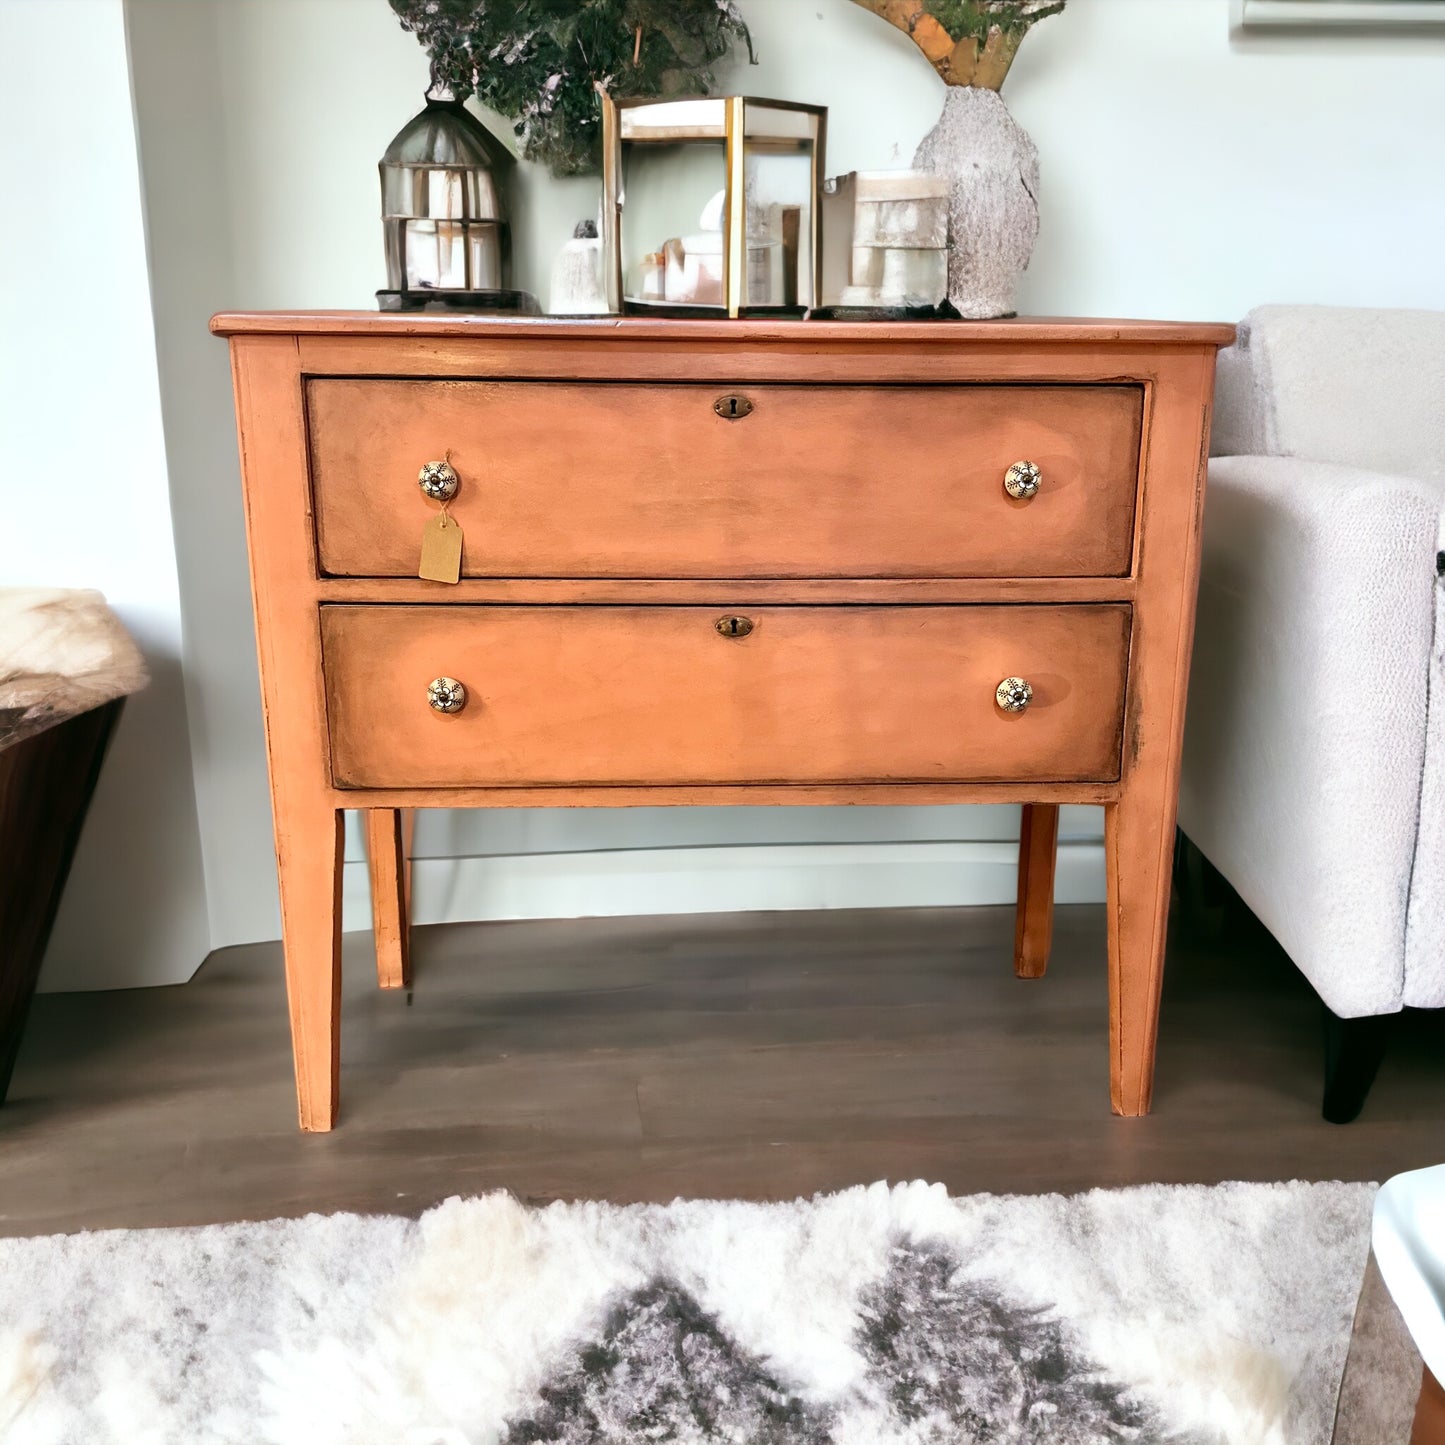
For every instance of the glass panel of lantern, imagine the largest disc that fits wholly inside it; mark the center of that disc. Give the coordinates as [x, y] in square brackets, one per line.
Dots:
[781, 159]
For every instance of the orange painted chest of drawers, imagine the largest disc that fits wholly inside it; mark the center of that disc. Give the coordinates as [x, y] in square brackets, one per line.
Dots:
[746, 562]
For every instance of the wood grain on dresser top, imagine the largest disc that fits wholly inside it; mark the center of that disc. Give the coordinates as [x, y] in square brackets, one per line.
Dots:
[1043, 330]
[857, 515]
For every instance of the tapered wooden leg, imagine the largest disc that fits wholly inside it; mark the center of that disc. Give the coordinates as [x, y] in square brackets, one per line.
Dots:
[388, 850]
[1138, 853]
[308, 859]
[1139, 824]
[1034, 918]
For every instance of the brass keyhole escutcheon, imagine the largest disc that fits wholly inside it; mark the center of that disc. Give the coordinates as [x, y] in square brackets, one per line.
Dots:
[732, 626]
[732, 407]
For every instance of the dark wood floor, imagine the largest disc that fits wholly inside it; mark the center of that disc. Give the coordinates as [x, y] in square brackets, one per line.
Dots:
[762, 1055]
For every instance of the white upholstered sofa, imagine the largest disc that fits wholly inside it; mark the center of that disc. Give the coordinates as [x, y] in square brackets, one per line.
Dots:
[1314, 757]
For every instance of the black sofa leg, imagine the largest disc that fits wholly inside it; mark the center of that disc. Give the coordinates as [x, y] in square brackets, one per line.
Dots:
[1204, 895]
[1353, 1050]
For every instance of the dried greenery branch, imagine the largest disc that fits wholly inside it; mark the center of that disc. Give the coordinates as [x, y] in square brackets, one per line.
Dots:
[538, 62]
[977, 17]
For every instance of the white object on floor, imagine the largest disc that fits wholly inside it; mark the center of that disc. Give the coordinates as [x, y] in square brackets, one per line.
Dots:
[62, 652]
[1409, 1242]
[891, 1316]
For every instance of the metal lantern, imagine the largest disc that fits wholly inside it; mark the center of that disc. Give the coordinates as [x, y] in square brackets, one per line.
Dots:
[448, 243]
[710, 205]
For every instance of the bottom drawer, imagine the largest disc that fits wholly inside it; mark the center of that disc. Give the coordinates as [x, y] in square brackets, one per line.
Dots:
[557, 696]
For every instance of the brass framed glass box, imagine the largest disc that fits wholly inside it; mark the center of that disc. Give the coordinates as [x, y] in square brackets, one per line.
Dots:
[710, 205]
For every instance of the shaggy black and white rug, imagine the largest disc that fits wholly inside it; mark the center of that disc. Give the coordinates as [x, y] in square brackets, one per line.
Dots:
[1167, 1315]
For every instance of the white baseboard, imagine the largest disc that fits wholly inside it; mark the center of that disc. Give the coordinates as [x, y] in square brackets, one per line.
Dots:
[724, 880]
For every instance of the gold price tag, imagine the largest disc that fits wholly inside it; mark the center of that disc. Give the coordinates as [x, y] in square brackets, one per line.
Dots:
[441, 550]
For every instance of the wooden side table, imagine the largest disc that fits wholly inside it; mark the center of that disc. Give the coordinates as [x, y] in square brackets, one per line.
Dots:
[747, 562]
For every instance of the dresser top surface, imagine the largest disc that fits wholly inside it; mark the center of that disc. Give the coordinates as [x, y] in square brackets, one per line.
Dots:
[1040, 330]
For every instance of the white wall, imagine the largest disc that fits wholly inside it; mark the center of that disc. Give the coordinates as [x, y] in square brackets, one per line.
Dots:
[176, 64]
[83, 487]
[1183, 175]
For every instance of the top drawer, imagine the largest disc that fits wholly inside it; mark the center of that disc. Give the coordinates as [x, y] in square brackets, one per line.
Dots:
[566, 479]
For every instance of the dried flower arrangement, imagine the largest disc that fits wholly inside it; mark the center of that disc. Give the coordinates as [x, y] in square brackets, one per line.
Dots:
[968, 42]
[538, 62]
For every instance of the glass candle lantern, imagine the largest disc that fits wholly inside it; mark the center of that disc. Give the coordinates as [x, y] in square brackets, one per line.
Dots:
[447, 239]
[713, 202]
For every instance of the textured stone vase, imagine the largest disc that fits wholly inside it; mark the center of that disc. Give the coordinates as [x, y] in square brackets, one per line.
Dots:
[992, 168]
